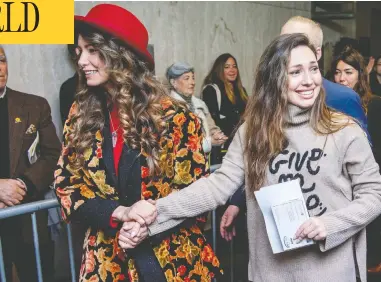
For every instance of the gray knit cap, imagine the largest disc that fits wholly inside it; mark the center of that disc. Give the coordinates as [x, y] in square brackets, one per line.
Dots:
[178, 69]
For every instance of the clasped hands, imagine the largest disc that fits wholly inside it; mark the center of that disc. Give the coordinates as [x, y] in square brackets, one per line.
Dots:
[12, 192]
[136, 220]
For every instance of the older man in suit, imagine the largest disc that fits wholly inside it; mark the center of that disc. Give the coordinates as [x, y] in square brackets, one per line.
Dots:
[25, 123]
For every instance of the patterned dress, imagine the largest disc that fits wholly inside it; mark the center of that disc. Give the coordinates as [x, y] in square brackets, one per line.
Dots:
[184, 255]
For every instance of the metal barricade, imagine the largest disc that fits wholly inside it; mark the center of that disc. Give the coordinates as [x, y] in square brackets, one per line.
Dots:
[32, 208]
[214, 219]
[215, 230]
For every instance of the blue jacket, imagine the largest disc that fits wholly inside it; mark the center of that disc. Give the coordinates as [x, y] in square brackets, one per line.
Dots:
[338, 97]
[345, 100]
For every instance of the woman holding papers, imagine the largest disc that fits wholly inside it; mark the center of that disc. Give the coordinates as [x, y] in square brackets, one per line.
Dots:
[126, 144]
[289, 133]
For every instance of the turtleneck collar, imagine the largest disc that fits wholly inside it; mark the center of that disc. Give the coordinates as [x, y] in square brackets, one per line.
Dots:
[297, 116]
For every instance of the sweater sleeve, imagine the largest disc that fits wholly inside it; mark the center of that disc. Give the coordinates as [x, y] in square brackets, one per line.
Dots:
[206, 193]
[207, 144]
[362, 170]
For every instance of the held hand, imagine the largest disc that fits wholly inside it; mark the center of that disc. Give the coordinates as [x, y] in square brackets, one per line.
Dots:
[312, 228]
[218, 138]
[227, 228]
[12, 192]
[143, 212]
[132, 234]
[2, 205]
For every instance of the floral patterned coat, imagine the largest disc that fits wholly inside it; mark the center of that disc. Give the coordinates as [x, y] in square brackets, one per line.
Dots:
[88, 196]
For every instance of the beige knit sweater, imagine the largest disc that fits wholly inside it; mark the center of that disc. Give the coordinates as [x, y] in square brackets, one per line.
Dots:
[340, 181]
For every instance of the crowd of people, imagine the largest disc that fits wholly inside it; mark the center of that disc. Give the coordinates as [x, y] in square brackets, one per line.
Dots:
[133, 169]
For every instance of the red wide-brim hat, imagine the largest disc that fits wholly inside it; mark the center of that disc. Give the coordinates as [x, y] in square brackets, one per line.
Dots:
[120, 23]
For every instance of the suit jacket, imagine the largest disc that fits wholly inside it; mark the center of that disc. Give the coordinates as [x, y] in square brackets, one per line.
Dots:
[91, 194]
[29, 114]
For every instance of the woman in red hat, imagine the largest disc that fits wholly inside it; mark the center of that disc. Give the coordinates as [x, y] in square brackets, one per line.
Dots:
[127, 141]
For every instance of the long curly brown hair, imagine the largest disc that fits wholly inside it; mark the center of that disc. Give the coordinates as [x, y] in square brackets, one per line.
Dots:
[353, 58]
[135, 92]
[267, 107]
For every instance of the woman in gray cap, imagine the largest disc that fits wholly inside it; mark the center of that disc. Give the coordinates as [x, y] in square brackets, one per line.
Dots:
[181, 79]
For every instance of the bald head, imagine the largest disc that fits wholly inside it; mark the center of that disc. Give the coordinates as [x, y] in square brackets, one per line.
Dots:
[307, 26]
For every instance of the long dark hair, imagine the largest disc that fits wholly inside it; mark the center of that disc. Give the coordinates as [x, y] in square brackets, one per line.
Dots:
[216, 75]
[135, 92]
[269, 103]
[353, 58]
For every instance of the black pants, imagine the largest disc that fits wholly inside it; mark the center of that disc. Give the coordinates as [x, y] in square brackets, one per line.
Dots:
[240, 251]
[22, 254]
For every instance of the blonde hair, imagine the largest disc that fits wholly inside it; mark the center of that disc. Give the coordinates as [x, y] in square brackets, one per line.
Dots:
[314, 34]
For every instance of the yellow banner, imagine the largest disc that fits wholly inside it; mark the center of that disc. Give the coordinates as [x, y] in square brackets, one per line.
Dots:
[37, 22]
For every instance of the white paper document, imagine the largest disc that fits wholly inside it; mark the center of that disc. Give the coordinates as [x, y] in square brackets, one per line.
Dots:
[33, 150]
[284, 210]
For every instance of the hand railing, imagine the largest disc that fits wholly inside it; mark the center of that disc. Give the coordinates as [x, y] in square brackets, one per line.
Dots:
[32, 208]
